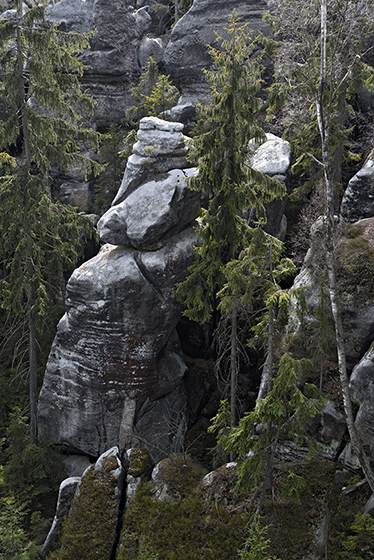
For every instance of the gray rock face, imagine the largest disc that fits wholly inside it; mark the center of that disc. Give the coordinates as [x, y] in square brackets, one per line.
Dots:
[112, 61]
[116, 360]
[161, 147]
[273, 157]
[357, 304]
[187, 52]
[154, 210]
[150, 47]
[358, 200]
[65, 498]
[362, 391]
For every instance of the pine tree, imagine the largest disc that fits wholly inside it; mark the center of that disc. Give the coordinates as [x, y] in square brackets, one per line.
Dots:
[40, 126]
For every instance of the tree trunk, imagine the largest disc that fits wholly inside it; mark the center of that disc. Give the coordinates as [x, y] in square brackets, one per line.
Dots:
[33, 381]
[22, 88]
[267, 370]
[233, 364]
[330, 262]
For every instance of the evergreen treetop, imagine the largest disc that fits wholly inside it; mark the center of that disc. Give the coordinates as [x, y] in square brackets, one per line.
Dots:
[225, 176]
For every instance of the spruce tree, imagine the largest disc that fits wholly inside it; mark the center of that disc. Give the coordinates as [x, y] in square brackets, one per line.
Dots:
[40, 126]
[226, 178]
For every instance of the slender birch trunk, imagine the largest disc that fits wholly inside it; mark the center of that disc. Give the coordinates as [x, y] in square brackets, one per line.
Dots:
[330, 260]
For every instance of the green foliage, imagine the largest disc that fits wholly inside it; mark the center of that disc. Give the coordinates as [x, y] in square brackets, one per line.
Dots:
[293, 488]
[225, 176]
[146, 553]
[355, 260]
[190, 529]
[41, 91]
[359, 545]
[257, 546]
[90, 529]
[281, 415]
[113, 160]
[295, 48]
[153, 95]
[31, 473]
[12, 535]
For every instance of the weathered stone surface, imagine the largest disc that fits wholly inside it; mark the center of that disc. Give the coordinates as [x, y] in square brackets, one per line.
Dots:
[272, 157]
[95, 508]
[330, 431]
[358, 200]
[104, 351]
[75, 465]
[112, 61]
[65, 498]
[161, 147]
[115, 372]
[369, 507]
[159, 207]
[150, 47]
[362, 392]
[187, 52]
[77, 194]
[357, 304]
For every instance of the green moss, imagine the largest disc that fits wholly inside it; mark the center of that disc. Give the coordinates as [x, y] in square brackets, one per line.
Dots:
[187, 530]
[355, 258]
[180, 474]
[140, 462]
[89, 531]
[292, 525]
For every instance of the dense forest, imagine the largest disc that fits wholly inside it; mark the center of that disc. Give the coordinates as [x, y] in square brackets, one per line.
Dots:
[260, 358]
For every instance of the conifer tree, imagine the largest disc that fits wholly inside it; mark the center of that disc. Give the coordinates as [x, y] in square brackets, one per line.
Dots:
[226, 178]
[40, 126]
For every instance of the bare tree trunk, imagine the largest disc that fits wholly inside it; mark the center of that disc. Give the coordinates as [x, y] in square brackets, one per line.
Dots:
[330, 261]
[33, 381]
[267, 370]
[22, 88]
[233, 364]
[233, 367]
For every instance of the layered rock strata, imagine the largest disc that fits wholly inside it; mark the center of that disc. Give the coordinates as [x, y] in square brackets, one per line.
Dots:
[187, 53]
[115, 369]
[112, 62]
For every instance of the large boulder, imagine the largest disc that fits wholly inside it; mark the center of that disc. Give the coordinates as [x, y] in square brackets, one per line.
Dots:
[92, 521]
[187, 53]
[115, 371]
[273, 158]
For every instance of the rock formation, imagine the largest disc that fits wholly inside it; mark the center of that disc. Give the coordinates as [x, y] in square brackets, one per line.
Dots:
[116, 364]
[187, 52]
[112, 61]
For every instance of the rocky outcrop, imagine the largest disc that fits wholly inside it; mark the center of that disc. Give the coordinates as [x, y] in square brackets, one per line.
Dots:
[65, 498]
[362, 391]
[358, 200]
[357, 301]
[116, 370]
[90, 504]
[187, 53]
[112, 62]
[273, 157]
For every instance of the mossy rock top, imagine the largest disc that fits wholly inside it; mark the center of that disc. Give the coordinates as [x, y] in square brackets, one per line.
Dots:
[140, 462]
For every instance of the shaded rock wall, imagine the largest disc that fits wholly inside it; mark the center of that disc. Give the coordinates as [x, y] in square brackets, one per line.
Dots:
[187, 53]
